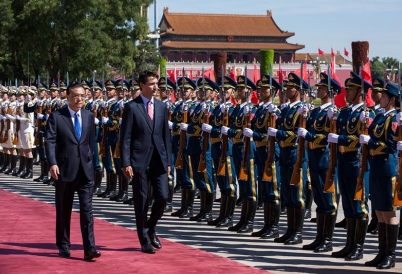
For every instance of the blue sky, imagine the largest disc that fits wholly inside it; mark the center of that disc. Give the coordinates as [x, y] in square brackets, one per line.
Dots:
[316, 23]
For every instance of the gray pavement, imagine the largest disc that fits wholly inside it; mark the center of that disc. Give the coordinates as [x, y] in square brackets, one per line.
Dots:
[267, 255]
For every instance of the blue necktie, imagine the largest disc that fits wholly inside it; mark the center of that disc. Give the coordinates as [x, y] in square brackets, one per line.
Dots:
[77, 126]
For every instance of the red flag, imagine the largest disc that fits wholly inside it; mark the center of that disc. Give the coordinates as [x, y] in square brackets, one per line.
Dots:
[280, 79]
[233, 73]
[340, 99]
[305, 74]
[254, 98]
[367, 77]
[346, 52]
[210, 74]
[332, 53]
[256, 76]
[320, 52]
[232, 99]
[172, 75]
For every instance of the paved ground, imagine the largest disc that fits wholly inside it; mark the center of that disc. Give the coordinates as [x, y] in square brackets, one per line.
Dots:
[276, 258]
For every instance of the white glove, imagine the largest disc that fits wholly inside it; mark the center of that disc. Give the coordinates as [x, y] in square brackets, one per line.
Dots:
[8, 116]
[183, 126]
[302, 132]
[246, 110]
[104, 104]
[26, 99]
[104, 120]
[248, 132]
[206, 128]
[18, 117]
[96, 121]
[399, 145]
[272, 108]
[168, 105]
[39, 116]
[121, 104]
[94, 107]
[59, 102]
[205, 107]
[2, 117]
[120, 121]
[283, 105]
[332, 111]
[333, 138]
[303, 109]
[364, 139]
[224, 130]
[170, 124]
[272, 131]
[40, 103]
[363, 116]
[310, 106]
[223, 108]
[398, 116]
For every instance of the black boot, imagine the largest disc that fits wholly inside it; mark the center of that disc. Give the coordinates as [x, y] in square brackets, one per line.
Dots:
[21, 170]
[242, 216]
[202, 206]
[42, 173]
[273, 231]
[227, 220]
[400, 226]
[389, 259]
[341, 223]
[209, 200]
[297, 236]
[222, 208]
[267, 209]
[183, 203]
[7, 163]
[1, 160]
[290, 221]
[372, 227]
[29, 173]
[12, 166]
[309, 201]
[107, 190]
[360, 236]
[124, 185]
[35, 157]
[188, 211]
[169, 204]
[118, 194]
[45, 171]
[98, 182]
[260, 203]
[382, 243]
[239, 202]
[350, 235]
[250, 214]
[177, 188]
[320, 232]
[113, 185]
[329, 226]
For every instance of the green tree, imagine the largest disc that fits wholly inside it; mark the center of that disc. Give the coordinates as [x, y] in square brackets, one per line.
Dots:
[77, 36]
[377, 67]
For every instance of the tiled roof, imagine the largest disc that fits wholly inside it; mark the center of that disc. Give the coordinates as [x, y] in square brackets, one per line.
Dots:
[221, 24]
[339, 59]
[229, 45]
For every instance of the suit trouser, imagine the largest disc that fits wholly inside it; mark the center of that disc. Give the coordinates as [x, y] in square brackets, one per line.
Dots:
[159, 180]
[64, 204]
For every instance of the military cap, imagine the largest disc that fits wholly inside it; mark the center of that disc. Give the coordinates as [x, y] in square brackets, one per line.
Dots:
[324, 83]
[265, 82]
[63, 85]
[110, 84]
[134, 84]
[170, 83]
[356, 81]
[241, 82]
[378, 84]
[54, 86]
[284, 84]
[121, 84]
[21, 90]
[391, 90]
[13, 91]
[85, 84]
[259, 83]
[42, 86]
[96, 85]
[75, 82]
[126, 85]
[186, 82]
[208, 84]
[294, 81]
[32, 90]
[228, 82]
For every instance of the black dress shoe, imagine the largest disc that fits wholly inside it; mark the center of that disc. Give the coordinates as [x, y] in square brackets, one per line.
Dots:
[128, 201]
[155, 241]
[64, 253]
[91, 253]
[147, 248]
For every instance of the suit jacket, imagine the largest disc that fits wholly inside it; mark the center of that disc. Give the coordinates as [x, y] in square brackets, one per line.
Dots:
[140, 135]
[64, 149]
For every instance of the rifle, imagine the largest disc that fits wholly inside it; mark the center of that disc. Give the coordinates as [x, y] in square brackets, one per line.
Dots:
[202, 166]
[8, 124]
[179, 161]
[297, 178]
[359, 190]
[17, 122]
[397, 201]
[2, 126]
[38, 121]
[269, 163]
[329, 186]
[168, 95]
[225, 139]
[243, 174]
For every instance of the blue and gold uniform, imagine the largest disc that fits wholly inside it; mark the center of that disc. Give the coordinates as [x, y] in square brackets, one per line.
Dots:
[247, 188]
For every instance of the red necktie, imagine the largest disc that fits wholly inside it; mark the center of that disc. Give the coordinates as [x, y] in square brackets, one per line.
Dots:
[150, 110]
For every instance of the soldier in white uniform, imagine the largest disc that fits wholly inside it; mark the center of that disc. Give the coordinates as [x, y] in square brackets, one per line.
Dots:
[8, 133]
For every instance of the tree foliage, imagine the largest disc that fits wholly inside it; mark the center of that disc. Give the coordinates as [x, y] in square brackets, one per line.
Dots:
[77, 36]
[377, 67]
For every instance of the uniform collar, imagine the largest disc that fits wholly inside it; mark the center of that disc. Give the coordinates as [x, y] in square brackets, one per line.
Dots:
[293, 104]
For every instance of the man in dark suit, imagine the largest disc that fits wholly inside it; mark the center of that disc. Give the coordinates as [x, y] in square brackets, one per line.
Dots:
[69, 149]
[146, 155]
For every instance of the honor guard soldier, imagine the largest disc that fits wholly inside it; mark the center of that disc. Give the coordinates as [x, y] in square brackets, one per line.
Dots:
[266, 113]
[221, 152]
[135, 89]
[9, 130]
[383, 158]
[246, 170]
[110, 125]
[88, 93]
[316, 134]
[166, 87]
[184, 175]
[348, 126]
[96, 107]
[6, 159]
[286, 135]
[63, 102]
[196, 147]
